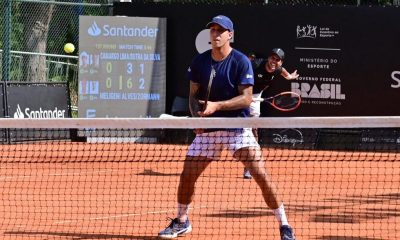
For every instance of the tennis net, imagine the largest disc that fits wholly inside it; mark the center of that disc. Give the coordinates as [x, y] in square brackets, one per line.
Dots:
[338, 177]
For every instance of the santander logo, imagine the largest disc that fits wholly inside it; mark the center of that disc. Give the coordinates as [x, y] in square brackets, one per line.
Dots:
[18, 113]
[94, 30]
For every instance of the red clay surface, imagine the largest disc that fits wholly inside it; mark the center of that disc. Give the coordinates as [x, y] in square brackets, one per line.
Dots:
[126, 191]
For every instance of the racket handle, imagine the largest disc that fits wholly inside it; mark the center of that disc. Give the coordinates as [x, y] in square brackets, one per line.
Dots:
[168, 116]
[258, 99]
[204, 106]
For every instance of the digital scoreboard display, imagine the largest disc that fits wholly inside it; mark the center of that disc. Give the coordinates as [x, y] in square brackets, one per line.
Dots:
[122, 66]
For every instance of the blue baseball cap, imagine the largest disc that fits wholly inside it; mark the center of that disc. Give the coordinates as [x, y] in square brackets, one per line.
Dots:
[223, 21]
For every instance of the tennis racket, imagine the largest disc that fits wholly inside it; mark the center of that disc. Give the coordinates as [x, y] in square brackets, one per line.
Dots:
[210, 80]
[284, 101]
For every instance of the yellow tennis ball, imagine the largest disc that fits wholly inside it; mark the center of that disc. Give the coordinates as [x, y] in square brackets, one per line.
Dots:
[69, 48]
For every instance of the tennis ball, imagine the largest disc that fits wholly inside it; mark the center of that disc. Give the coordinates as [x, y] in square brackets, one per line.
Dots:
[69, 48]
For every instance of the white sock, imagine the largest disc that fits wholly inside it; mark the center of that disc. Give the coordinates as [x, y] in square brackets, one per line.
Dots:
[281, 215]
[183, 212]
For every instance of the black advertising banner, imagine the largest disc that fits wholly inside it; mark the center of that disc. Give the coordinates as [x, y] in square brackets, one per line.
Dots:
[35, 100]
[347, 57]
[121, 67]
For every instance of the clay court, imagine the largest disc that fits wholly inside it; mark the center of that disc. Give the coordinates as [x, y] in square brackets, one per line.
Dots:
[72, 190]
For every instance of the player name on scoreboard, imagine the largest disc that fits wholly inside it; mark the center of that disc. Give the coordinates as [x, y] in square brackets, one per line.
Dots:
[130, 96]
[130, 56]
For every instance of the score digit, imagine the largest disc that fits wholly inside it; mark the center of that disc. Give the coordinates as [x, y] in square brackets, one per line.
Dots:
[141, 82]
[142, 68]
[108, 82]
[109, 67]
[129, 83]
[129, 68]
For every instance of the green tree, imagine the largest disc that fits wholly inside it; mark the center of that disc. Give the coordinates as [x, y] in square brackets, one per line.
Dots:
[36, 20]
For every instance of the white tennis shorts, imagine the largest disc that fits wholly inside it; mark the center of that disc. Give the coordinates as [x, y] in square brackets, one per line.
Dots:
[255, 107]
[211, 144]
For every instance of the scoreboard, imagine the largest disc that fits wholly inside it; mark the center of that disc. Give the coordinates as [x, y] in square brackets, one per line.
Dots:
[122, 66]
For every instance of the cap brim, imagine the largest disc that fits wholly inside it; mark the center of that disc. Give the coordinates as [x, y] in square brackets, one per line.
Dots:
[219, 24]
[209, 24]
[279, 56]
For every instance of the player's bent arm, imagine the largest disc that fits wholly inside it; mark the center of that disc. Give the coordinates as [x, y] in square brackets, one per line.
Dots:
[289, 76]
[193, 101]
[244, 99]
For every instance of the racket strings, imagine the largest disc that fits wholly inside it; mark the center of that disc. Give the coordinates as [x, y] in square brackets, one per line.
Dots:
[286, 101]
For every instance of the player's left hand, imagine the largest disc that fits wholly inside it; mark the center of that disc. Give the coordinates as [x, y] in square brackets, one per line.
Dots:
[211, 108]
[294, 75]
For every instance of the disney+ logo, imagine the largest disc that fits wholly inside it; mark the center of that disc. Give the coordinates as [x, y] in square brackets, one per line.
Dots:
[290, 136]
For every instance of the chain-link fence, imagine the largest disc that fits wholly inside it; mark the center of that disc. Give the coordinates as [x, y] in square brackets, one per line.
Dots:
[39, 30]
[33, 33]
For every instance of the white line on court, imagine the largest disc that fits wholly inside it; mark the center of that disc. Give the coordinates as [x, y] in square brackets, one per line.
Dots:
[57, 174]
[79, 173]
[121, 216]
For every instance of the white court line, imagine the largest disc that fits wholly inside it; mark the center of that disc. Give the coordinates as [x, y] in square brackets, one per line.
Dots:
[121, 216]
[17, 177]
[323, 49]
[57, 174]
[79, 173]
